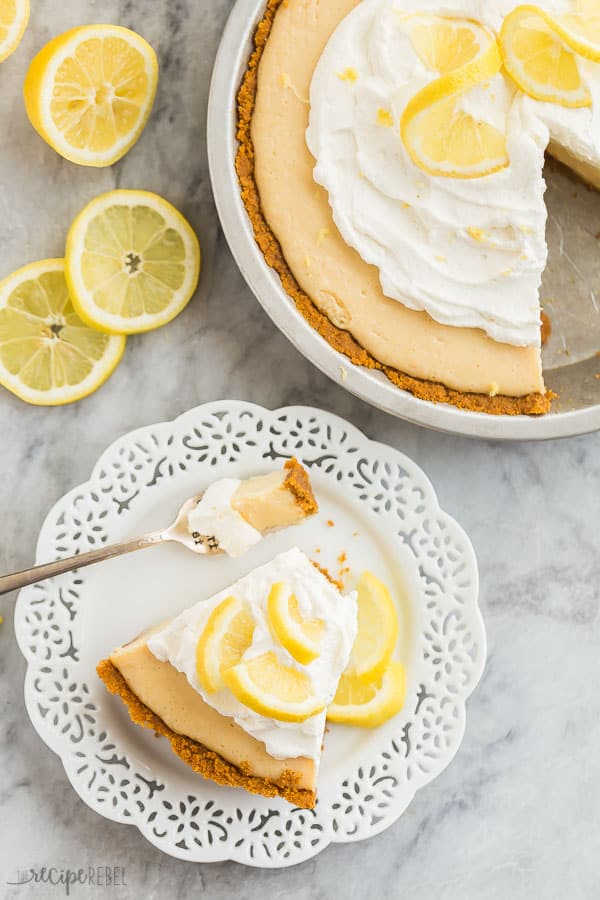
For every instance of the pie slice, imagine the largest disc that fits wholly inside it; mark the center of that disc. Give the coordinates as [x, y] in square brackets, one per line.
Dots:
[234, 515]
[259, 724]
[276, 500]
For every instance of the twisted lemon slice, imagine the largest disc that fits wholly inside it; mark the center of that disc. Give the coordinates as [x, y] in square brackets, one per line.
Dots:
[441, 137]
[226, 637]
[443, 44]
[273, 690]
[300, 637]
[581, 28]
[372, 704]
[14, 16]
[539, 51]
[373, 687]
[377, 630]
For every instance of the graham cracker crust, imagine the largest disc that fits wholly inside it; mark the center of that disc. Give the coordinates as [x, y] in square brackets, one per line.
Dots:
[336, 582]
[202, 760]
[342, 341]
[298, 482]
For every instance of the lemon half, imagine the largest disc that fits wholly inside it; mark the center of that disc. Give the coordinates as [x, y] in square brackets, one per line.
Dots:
[89, 92]
[132, 262]
[48, 355]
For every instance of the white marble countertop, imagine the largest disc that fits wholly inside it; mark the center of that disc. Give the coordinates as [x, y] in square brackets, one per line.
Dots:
[516, 814]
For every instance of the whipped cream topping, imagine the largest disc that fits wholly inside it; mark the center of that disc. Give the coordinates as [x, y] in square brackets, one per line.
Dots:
[215, 517]
[317, 598]
[470, 252]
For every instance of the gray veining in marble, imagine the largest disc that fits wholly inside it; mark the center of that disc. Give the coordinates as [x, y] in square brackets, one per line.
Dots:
[516, 814]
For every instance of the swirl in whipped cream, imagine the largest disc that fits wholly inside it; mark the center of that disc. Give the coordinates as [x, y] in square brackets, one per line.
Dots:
[317, 598]
[469, 252]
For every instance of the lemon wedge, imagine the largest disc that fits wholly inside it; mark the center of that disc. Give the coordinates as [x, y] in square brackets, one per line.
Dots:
[48, 356]
[226, 637]
[271, 689]
[369, 705]
[540, 51]
[300, 637]
[132, 262]
[14, 16]
[89, 92]
[441, 137]
[377, 630]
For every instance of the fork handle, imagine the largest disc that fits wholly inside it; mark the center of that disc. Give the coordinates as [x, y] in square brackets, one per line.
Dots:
[49, 570]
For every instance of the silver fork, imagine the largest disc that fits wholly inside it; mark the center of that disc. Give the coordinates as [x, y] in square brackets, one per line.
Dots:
[178, 532]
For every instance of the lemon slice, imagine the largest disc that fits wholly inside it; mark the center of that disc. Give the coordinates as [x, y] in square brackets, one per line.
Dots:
[132, 262]
[440, 136]
[377, 630]
[48, 356]
[14, 16]
[369, 705]
[226, 637]
[581, 28]
[444, 44]
[540, 55]
[271, 689]
[300, 637]
[89, 92]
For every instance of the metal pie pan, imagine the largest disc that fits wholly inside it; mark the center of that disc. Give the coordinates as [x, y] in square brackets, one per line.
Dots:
[578, 383]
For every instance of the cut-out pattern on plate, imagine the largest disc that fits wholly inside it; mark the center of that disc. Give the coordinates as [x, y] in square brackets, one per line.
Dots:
[69, 710]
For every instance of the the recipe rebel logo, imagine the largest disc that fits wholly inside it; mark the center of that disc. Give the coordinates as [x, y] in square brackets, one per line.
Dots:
[70, 879]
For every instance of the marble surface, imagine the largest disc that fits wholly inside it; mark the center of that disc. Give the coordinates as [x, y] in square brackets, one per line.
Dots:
[515, 815]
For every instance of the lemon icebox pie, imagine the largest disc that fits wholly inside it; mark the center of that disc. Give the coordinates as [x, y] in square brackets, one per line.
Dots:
[239, 683]
[391, 158]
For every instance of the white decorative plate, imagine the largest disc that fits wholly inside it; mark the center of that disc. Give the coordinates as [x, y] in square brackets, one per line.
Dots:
[376, 506]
